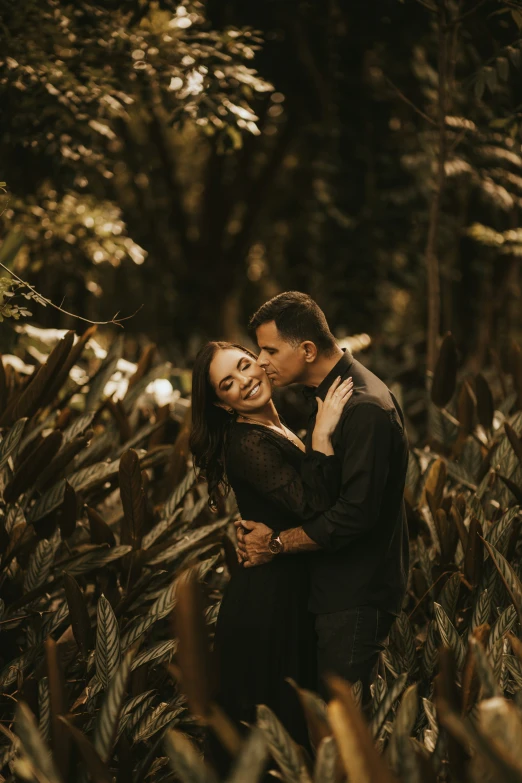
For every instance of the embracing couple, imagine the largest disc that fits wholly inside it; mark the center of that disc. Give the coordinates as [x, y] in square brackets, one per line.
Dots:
[322, 540]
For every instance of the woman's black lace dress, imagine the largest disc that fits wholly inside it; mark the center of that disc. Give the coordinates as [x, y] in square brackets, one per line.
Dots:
[264, 631]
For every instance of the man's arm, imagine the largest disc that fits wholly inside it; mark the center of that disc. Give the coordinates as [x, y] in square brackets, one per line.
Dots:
[253, 546]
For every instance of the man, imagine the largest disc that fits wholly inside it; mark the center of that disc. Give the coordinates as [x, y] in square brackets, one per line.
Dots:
[360, 566]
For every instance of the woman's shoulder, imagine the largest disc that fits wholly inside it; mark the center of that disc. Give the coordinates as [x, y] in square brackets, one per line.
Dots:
[244, 440]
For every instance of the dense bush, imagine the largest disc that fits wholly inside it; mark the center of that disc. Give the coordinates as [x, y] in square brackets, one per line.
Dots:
[86, 524]
[92, 543]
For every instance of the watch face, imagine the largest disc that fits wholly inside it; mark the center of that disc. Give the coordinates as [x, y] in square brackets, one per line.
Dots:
[275, 546]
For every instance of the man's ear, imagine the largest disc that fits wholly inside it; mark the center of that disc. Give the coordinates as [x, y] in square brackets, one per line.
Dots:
[310, 351]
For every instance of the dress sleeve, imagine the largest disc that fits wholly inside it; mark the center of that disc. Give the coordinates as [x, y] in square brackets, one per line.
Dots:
[256, 458]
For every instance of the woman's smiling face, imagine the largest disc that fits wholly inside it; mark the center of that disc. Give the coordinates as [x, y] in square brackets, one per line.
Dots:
[239, 382]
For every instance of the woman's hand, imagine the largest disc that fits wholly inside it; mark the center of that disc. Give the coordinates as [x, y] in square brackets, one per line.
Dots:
[329, 412]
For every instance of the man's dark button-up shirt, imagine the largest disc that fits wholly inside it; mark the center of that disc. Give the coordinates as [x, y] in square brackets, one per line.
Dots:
[363, 537]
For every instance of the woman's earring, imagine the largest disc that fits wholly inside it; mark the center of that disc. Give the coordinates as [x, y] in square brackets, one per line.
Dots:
[230, 410]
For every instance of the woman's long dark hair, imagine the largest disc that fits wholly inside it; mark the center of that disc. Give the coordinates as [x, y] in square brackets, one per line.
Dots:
[210, 423]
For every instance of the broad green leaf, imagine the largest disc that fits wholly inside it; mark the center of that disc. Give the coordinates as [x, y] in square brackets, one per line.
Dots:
[33, 744]
[185, 760]
[449, 635]
[107, 722]
[282, 747]
[39, 566]
[97, 559]
[108, 653]
[326, 763]
[11, 440]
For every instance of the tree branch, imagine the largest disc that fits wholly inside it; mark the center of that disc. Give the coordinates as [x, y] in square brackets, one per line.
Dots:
[114, 320]
[403, 97]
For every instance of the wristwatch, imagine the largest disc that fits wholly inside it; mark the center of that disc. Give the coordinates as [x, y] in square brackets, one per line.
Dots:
[275, 544]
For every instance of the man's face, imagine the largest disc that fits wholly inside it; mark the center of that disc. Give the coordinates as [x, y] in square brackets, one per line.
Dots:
[283, 362]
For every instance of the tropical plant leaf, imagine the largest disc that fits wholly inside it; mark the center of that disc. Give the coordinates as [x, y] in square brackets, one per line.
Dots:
[63, 373]
[461, 475]
[159, 652]
[77, 427]
[497, 532]
[39, 566]
[60, 742]
[449, 635]
[314, 709]
[27, 403]
[98, 771]
[327, 762]
[177, 495]
[515, 441]
[11, 440]
[445, 374]
[139, 387]
[108, 652]
[44, 708]
[359, 755]
[474, 554]
[104, 374]
[482, 609]
[157, 721]
[97, 559]
[133, 711]
[385, 706]
[403, 724]
[33, 744]
[107, 723]
[160, 529]
[99, 529]
[11, 671]
[515, 669]
[250, 762]
[50, 501]
[282, 747]
[32, 466]
[403, 639]
[449, 595]
[185, 759]
[62, 460]
[79, 614]
[485, 672]
[133, 499]
[508, 576]
[503, 625]
[193, 655]
[53, 621]
[187, 542]
[89, 477]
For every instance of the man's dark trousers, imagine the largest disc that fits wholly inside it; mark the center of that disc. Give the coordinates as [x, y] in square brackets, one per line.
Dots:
[349, 643]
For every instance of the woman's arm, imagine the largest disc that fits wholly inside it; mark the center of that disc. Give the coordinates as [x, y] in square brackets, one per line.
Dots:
[329, 413]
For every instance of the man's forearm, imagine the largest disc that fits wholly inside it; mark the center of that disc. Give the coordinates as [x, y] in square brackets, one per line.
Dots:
[296, 540]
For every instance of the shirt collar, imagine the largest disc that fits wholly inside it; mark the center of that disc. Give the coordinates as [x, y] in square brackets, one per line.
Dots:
[341, 368]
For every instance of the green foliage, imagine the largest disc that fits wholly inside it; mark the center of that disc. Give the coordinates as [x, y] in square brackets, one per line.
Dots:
[76, 585]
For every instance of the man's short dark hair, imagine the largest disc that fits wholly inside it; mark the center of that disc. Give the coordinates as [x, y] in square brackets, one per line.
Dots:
[297, 318]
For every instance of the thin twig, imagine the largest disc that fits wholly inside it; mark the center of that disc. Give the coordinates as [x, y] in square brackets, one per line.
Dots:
[459, 19]
[407, 100]
[114, 320]
[427, 5]
[428, 591]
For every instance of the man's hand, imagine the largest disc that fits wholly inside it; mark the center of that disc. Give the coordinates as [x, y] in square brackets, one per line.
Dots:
[253, 538]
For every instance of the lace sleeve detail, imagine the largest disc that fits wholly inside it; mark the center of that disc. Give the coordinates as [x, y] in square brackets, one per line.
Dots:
[255, 457]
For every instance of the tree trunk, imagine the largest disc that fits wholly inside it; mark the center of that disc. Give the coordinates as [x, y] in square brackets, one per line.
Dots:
[431, 254]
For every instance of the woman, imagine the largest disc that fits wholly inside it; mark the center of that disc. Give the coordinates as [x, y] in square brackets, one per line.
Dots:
[264, 632]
